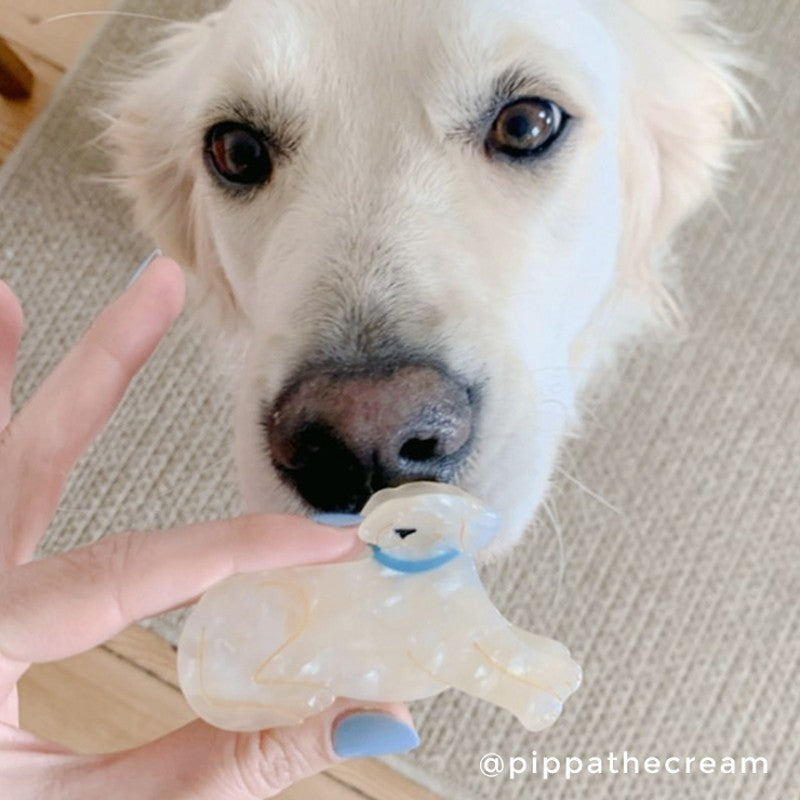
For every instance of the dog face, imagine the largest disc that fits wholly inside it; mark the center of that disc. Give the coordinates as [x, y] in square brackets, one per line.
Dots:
[422, 225]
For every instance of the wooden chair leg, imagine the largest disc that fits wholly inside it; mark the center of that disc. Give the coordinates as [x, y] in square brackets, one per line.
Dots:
[16, 80]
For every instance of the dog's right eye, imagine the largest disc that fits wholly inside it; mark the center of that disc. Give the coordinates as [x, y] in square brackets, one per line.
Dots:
[527, 128]
[236, 154]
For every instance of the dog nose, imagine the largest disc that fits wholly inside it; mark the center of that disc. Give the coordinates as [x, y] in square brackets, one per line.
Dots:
[338, 438]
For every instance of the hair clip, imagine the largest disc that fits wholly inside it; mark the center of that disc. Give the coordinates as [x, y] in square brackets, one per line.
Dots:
[406, 620]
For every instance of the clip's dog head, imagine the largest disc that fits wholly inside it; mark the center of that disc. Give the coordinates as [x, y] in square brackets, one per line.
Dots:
[423, 521]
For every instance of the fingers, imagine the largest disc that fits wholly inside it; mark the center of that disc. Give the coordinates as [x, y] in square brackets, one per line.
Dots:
[43, 442]
[10, 333]
[204, 763]
[62, 605]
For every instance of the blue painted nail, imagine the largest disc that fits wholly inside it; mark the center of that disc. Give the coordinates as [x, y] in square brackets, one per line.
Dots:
[367, 733]
[143, 266]
[336, 520]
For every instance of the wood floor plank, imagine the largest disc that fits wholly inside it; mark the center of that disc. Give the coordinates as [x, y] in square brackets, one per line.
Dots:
[47, 49]
[99, 703]
[374, 779]
[148, 651]
[22, 22]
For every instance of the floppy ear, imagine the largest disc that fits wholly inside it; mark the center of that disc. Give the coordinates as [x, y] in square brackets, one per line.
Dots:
[683, 100]
[154, 145]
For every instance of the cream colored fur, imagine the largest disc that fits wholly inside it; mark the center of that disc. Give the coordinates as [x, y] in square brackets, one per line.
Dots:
[525, 279]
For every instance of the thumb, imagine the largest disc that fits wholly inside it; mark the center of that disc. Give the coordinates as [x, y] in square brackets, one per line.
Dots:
[204, 763]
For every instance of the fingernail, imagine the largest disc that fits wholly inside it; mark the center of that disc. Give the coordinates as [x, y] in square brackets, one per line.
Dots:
[368, 733]
[143, 266]
[337, 520]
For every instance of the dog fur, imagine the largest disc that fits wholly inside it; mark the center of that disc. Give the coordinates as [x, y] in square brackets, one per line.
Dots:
[386, 225]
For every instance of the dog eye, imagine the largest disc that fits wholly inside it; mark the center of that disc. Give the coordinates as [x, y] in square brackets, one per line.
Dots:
[238, 155]
[526, 128]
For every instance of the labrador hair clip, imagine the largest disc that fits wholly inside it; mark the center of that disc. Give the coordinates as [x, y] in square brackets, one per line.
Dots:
[406, 620]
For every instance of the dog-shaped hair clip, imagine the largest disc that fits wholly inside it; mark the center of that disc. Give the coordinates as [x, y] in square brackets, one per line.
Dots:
[408, 619]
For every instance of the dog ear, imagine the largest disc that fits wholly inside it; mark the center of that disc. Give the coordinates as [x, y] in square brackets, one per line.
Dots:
[683, 101]
[154, 148]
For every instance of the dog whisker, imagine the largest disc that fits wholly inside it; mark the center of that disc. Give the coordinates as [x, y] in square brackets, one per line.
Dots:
[59, 17]
[583, 487]
[553, 517]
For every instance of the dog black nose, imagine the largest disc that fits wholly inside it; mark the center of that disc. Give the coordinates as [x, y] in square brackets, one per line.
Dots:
[338, 438]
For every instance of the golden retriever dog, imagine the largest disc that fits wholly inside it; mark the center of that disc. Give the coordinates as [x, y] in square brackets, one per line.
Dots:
[421, 226]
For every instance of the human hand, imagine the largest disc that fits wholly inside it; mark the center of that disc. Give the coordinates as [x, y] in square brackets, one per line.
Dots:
[65, 604]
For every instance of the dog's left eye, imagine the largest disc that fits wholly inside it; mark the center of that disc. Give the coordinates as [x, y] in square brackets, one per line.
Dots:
[526, 128]
[238, 155]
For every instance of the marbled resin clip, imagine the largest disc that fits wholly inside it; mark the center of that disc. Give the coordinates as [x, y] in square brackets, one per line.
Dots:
[408, 619]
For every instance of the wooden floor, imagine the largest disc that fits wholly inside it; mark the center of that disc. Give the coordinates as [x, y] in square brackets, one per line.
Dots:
[124, 693]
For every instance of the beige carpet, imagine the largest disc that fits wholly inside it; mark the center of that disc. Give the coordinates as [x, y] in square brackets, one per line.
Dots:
[683, 607]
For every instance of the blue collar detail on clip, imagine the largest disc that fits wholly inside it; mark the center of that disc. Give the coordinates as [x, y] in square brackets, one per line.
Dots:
[424, 565]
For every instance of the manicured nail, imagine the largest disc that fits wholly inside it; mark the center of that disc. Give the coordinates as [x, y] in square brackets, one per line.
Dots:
[367, 733]
[336, 520]
[143, 266]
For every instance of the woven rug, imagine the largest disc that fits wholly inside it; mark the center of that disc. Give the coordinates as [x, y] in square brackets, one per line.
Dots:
[682, 604]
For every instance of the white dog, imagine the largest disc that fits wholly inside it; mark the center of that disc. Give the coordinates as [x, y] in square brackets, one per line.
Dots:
[423, 224]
